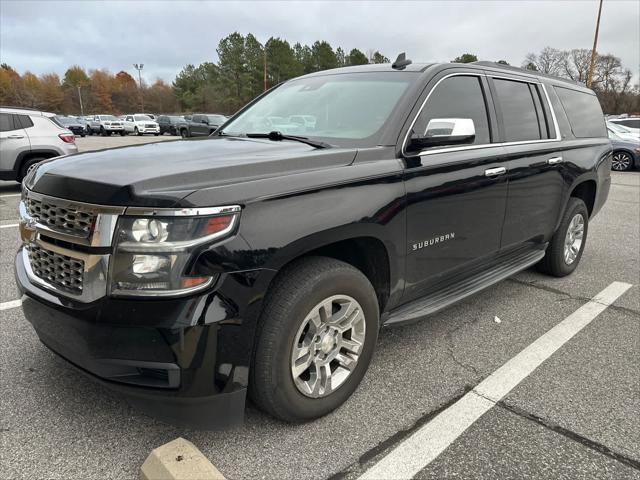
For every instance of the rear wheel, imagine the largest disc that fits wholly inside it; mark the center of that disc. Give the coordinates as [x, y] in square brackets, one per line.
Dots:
[315, 339]
[567, 244]
[621, 162]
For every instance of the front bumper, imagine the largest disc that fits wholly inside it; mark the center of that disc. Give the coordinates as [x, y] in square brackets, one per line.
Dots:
[149, 129]
[184, 361]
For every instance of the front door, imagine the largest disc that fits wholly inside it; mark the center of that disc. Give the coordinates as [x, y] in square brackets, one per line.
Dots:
[456, 195]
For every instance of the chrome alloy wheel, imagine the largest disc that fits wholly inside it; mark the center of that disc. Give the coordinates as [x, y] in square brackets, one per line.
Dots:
[573, 239]
[621, 161]
[327, 346]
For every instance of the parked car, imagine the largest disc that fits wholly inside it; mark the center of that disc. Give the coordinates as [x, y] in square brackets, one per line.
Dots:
[86, 124]
[626, 152]
[631, 123]
[71, 123]
[106, 125]
[140, 124]
[170, 124]
[259, 262]
[201, 124]
[28, 137]
[621, 131]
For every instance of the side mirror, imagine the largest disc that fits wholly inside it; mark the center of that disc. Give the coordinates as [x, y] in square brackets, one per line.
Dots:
[445, 131]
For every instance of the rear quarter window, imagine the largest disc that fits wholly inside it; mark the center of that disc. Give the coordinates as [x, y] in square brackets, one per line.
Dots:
[24, 121]
[584, 113]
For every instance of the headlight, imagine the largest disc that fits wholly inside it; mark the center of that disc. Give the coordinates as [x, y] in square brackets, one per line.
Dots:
[154, 254]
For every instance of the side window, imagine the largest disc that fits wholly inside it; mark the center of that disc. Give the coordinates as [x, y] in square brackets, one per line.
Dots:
[457, 97]
[519, 114]
[6, 122]
[196, 118]
[583, 111]
[24, 121]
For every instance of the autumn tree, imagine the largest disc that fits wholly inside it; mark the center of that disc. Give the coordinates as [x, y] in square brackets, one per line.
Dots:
[101, 91]
[125, 94]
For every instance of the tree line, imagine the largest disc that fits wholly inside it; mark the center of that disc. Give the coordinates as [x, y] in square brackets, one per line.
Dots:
[245, 68]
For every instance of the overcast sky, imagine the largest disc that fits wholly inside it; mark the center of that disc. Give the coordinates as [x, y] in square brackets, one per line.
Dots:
[51, 35]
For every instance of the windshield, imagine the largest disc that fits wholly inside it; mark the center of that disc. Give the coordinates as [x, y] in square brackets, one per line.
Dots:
[142, 118]
[347, 106]
[108, 117]
[65, 120]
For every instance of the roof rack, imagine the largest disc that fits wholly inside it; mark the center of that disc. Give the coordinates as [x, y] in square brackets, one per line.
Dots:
[502, 66]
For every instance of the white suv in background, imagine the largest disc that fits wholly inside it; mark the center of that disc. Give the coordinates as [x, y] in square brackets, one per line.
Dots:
[28, 137]
[140, 124]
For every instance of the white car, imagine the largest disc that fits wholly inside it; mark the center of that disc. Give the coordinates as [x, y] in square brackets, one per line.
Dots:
[630, 123]
[28, 137]
[140, 124]
[624, 133]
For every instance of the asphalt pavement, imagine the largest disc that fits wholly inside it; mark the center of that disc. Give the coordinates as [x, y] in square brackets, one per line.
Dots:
[575, 416]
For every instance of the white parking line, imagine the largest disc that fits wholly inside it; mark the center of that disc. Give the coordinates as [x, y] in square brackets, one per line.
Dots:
[9, 226]
[11, 304]
[427, 443]
[10, 195]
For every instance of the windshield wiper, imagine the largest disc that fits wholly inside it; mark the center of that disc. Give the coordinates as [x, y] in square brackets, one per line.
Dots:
[278, 136]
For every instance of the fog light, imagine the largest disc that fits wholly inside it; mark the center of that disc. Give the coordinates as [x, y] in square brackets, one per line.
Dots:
[143, 264]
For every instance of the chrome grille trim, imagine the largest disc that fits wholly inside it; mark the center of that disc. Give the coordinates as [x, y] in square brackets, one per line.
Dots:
[61, 218]
[62, 271]
[103, 219]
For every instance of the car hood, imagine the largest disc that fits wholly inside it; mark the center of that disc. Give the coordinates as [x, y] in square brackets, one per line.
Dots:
[161, 174]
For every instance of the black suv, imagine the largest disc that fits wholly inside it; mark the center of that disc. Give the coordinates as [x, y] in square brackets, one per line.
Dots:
[265, 262]
[171, 124]
[201, 124]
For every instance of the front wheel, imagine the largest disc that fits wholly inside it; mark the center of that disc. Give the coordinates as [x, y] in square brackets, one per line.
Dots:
[315, 339]
[621, 162]
[567, 244]
[122, 133]
[184, 133]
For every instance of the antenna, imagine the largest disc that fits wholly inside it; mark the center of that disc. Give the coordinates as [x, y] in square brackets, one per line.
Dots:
[401, 62]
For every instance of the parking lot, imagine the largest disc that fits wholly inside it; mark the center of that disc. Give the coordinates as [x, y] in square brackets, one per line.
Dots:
[575, 416]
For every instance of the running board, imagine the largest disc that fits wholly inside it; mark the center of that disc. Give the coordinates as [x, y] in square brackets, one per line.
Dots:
[456, 291]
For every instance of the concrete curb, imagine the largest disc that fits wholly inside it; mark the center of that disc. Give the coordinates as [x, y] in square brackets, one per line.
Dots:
[178, 460]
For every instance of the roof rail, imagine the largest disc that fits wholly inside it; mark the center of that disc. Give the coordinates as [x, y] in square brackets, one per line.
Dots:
[485, 63]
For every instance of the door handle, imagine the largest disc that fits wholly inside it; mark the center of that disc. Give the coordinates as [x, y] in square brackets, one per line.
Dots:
[554, 160]
[494, 172]
[16, 137]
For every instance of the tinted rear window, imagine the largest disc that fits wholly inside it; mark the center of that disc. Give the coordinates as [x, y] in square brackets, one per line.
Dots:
[584, 113]
[6, 122]
[519, 114]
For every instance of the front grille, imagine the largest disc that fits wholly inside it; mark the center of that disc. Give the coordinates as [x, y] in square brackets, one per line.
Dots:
[150, 126]
[59, 270]
[64, 219]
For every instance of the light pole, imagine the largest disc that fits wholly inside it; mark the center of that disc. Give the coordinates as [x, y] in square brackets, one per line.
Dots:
[593, 51]
[139, 67]
[80, 98]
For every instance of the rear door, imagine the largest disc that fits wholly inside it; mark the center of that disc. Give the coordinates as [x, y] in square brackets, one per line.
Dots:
[456, 194]
[534, 159]
[13, 140]
[197, 127]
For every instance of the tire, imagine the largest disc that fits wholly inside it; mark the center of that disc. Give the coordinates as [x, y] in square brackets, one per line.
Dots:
[103, 132]
[26, 166]
[157, 134]
[621, 161]
[555, 262]
[296, 293]
[82, 135]
[136, 132]
[184, 133]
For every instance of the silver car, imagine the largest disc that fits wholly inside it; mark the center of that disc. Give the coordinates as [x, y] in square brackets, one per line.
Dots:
[28, 137]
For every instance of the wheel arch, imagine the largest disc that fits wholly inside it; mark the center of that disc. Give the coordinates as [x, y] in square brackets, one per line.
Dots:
[367, 252]
[586, 190]
[30, 154]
